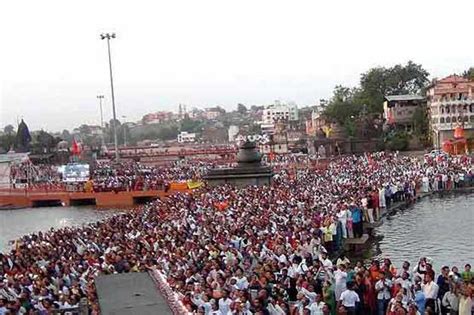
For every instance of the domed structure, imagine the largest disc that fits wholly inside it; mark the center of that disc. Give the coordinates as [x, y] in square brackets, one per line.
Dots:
[249, 169]
[248, 154]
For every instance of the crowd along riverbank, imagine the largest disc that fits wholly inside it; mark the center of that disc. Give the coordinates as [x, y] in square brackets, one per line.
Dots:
[226, 248]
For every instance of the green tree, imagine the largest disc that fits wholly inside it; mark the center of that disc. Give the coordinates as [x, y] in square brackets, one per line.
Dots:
[420, 121]
[343, 105]
[469, 74]
[168, 133]
[66, 135]
[399, 79]
[190, 125]
[397, 141]
[44, 142]
[350, 127]
[9, 129]
[84, 129]
[241, 109]
[7, 142]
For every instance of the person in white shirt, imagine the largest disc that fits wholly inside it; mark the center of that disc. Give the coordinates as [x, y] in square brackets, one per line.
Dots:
[342, 216]
[349, 299]
[324, 260]
[316, 308]
[451, 300]
[340, 276]
[382, 287]
[224, 303]
[309, 293]
[430, 289]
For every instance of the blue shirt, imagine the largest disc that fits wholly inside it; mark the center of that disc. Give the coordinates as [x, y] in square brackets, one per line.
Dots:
[420, 301]
[356, 215]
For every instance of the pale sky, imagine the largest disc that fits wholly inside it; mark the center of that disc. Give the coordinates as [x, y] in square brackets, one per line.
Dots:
[205, 53]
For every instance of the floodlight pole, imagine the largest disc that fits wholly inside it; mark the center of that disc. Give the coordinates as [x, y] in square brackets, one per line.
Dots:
[109, 36]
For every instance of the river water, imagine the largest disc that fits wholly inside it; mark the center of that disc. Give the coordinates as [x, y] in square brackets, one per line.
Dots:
[15, 223]
[439, 227]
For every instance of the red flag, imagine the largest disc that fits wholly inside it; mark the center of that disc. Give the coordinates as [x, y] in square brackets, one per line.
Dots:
[271, 156]
[76, 149]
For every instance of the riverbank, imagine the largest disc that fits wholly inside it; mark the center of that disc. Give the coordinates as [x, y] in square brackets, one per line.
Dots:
[14, 224]
[358, 248]
[440, 227]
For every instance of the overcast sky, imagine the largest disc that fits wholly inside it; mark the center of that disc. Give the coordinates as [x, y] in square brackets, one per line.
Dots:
[204, 53]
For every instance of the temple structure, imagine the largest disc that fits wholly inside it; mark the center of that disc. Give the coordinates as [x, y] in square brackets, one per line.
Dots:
[249, 169]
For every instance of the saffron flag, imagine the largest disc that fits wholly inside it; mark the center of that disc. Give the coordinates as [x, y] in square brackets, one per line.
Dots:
[76, 149]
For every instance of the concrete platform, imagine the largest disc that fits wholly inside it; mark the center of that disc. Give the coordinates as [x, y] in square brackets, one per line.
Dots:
[357, 241]
[130, 294]
[374, 225]
[20, 198]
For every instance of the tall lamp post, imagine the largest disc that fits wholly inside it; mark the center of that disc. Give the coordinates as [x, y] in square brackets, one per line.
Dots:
[109, 36]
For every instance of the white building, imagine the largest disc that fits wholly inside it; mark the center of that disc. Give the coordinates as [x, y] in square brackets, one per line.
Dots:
[280, 111]
[233, 132]
[450, 105]
[267, 129]
[185, 137]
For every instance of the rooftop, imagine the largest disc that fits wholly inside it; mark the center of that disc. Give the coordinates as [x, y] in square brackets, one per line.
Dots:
[404, 97]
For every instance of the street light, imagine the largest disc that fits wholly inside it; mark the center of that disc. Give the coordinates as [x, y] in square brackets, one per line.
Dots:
[109, 36]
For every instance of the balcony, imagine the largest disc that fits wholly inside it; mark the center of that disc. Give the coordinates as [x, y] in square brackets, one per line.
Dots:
[451, 126]
[453, 102]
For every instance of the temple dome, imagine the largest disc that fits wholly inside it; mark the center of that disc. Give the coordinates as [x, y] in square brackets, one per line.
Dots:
[248, 153]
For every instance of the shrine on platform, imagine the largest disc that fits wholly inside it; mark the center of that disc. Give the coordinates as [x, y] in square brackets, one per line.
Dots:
[248, 171]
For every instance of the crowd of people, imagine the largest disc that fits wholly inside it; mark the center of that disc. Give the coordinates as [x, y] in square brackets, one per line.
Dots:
[252, 250]
[107, 176]
[127, 176]
[27, 173]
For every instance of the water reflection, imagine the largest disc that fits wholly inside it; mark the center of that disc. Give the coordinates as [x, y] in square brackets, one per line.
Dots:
[437, 227]
[15, 223]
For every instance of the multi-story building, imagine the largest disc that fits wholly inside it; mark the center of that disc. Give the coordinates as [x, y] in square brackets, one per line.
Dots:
[213, 112]
[233, 133]
[158, 117]
[280, 112]
[450, 106]
[398, 110]
[316, 121]
[186, 137]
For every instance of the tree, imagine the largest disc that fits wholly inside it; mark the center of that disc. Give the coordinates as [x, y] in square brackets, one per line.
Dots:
[168, 133]
[44, 142]
[66, 135]
[420, 122]
[84, 129]
[399, 79]
[343, 105]
[9, 129]
[469, 74]
[7, 142]
[23, 138]
[189, 125]
[241, 109]
[397, 141]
